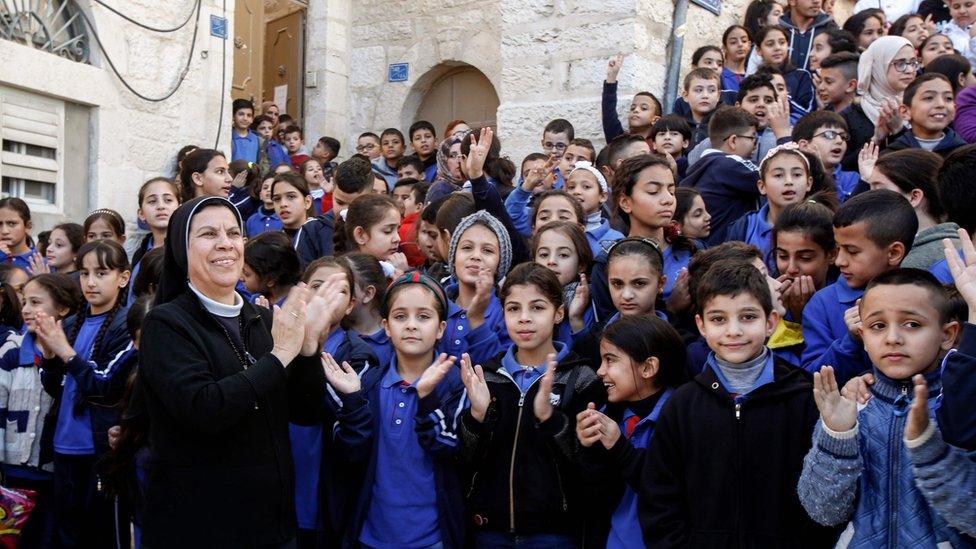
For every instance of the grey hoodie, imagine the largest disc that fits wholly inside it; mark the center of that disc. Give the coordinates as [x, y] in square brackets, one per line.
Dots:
[927, 246]
[802, 42]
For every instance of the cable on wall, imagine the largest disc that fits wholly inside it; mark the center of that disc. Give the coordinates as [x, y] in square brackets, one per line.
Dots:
[223, 80]
[143, 25]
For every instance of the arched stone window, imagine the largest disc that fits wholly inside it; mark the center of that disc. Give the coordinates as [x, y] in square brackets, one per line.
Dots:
[54, 26]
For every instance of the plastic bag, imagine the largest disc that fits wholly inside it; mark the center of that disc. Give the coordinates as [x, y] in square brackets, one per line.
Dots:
[15, 506]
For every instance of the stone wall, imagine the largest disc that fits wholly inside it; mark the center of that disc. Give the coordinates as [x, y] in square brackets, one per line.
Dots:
[131, 140]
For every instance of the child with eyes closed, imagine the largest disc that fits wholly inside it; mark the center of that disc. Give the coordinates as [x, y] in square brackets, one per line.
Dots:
[691, 218]
[264, 218]
[406, 418]
[561, 246]
[517, 438]
[641, 363]
[371, 225]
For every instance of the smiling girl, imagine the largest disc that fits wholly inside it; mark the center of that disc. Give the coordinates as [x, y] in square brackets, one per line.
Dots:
[773, 46]
[64, 243]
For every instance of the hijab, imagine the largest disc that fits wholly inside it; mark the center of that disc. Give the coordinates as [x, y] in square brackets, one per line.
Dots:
[872, 74]
[443, 153]
[174, 279]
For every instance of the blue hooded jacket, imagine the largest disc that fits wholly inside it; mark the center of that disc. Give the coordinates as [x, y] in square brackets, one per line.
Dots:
[728, 186]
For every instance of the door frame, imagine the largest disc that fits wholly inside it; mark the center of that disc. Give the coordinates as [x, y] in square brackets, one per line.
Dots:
[303, 40]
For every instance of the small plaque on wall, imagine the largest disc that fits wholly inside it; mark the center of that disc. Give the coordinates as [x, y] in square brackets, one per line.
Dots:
[399, 72]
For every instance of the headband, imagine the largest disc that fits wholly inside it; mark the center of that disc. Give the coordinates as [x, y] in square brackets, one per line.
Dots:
[789, 146]
[417, 277]
[588, 166]
[641, 240]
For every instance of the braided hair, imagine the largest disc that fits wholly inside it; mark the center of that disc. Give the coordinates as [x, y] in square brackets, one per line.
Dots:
[110, 255]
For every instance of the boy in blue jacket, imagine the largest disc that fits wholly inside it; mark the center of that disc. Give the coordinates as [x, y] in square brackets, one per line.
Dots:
[859, 469]
[874, 232]
[727, 181]
[928, 105]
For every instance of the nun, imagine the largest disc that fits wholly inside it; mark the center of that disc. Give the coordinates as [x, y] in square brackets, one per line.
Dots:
[221, 381]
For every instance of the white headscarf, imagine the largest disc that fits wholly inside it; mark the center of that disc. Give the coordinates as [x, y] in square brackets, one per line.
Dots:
[872, 74]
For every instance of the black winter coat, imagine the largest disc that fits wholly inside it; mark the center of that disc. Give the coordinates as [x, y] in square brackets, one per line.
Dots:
[721, 474]
[221, 472]
[526, 475]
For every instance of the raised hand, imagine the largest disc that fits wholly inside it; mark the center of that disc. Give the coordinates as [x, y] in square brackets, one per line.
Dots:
[858, 388]
[37, 265]
[288, 327]
[778, 116]
[577, 307]
[680, 298]
[433, 375]
[852, 318]
[320, 310]
[51, 336]
[343, 379]
[399, 261]
[613, 67]
[262, 301]
[240, 179]
[918, 415]
[796, 296]
[482, 297]
[537, 176]
[588, 426]
[963, 269]
[837, 412]
[475, 161]
[474, 381]
[866, 159]
[541, 405]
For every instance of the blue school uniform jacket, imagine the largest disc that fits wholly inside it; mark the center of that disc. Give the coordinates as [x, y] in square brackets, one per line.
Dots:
[314, 238]
[753, 228]
[380, 344]
[436, 424]
[601, 238]
[728, 186]
[262, 221]
[483, 342]
[868, 478]
[846, 183]
[100, 381]
[907, 140]
[22, 261]
[957, 414]
[799, 84]
[828, 342]
[244, 147]
[731, 80]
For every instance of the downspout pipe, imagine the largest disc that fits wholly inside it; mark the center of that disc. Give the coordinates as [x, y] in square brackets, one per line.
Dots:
[674, 53]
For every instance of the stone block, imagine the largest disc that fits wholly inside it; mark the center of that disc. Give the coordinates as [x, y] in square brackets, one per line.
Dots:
[524, 12]
[519, 79]
[385, 31]
[368, 66]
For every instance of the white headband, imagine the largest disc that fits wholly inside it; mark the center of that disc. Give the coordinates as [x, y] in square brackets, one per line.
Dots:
[588, 166]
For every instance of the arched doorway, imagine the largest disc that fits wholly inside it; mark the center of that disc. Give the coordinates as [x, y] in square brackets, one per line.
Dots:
[462, 92]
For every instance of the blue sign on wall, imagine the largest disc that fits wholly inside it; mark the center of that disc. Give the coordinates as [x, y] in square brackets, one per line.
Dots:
[399, 72]
[714, 6]
[218, 27]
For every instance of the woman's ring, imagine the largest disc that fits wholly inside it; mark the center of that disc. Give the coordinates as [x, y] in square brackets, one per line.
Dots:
[293, 313]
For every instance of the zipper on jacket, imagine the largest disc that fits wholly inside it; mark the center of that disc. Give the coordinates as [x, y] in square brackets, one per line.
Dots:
[511, 469]
[894, 433]
[738, 410]
[559, 481]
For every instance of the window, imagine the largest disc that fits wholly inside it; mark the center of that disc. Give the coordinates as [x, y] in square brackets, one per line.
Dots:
[31, 156]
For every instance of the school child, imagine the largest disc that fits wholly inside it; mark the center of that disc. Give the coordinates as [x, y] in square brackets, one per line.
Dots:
[956, 414]
[104, 224]
[16, 278]
[22, 397]
[934, 47]
[158, 199]
[589, 187]
[736, 45]
[804, 250]
[246, 177]
[691, 219]
[371, 226]
[524, 205]
[928, 105]
[578, 150]
[727, 181]
[407, 433]
[409, 167]
[427, 237]
[884, 70]
[672, 135]
[804, 21]
[85, 381]
[746, 407]
[701, 90]
[66, 239]
[784, 180]
[318, 187]
[265, 218]
[959, 30]
[294, 144]
[830, 42]
[525, 483]
[204, 172]
[392, 147]
[837, 85]
[874, 232]
[271, 267]
[271, 153]
[320, 515]
[644, 109]
[773, 46]
[561, 246]
[866, 27]
[758, 96]
[16, 246]
[368, 145]
[244, 142]
[366, 317]
[824, 134]
[292, 201]
[871, 483]
[641, 364]
[423, 140]
[325, 150]
[410, 195]
[910, 26]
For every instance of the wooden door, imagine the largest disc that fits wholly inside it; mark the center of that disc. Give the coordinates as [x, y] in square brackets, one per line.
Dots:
[464, 93]
[248, 50]
[284, 63]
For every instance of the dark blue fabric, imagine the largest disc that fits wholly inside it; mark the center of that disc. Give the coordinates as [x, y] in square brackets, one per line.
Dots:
[22, 261]
[957, 410]
[846, 183]
[244, 147]
[802, 42]
[799, 84]
[262, 220]
[728, 186]
[314, 238]
[73, 434]
[828, 342]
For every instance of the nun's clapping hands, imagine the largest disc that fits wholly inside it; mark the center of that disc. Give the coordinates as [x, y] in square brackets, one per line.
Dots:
[288, 327]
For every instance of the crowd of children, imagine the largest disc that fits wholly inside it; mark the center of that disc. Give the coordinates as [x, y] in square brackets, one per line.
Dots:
[743, 323]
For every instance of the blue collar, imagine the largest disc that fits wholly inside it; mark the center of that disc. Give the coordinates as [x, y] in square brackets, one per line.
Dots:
[28, 349]
[846, 294]
[333, 341]
[392, 377]
[513, 367]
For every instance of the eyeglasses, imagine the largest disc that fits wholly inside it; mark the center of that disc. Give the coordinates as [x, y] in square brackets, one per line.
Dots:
[558, 147]
[903, 65]
[752, 137]
[830, 135]
[364, 148]
[455, 155]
